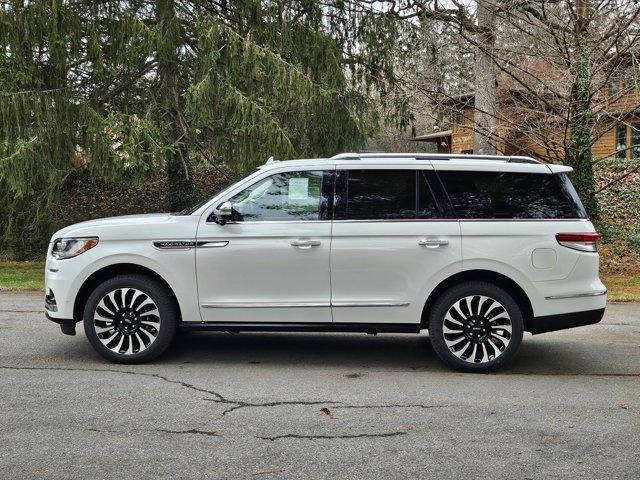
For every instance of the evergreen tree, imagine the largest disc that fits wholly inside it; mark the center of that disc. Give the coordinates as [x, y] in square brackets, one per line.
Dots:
[121, 89]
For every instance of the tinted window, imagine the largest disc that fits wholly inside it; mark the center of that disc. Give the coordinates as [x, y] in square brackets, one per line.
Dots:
[511, 195]
[284, 196]
[427, 205]
[375, 194]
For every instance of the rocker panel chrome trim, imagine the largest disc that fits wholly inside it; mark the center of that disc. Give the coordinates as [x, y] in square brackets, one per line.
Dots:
[301, 304]
[264, 304]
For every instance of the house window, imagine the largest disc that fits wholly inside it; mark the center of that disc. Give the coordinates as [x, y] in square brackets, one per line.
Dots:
[629, 80]
[460, 117]
[635, 141]
[621, 141]
[614, 84]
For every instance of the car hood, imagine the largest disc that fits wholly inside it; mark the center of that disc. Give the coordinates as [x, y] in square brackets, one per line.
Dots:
[133, 227]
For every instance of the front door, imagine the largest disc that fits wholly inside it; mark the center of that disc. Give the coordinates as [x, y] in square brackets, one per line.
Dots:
[270, 261]
[393, 241]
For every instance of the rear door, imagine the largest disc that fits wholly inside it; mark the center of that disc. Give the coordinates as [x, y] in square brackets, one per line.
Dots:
[392, 243]
[509, 216]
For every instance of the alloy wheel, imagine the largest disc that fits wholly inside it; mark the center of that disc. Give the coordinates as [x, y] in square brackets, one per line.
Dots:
[477, 329]
[127, 321]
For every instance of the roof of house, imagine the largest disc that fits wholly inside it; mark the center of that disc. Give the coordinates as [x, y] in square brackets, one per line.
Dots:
[432, 136]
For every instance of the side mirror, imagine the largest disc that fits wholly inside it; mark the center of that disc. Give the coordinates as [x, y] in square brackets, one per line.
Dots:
[224, 212]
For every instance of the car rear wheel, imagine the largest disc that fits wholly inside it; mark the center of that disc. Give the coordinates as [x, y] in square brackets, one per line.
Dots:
[475, 327]
[130, 319]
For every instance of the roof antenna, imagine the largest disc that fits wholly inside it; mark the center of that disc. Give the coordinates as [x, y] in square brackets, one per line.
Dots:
[270, 160]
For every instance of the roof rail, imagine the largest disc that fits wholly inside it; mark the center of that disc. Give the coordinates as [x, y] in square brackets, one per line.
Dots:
[436, 156]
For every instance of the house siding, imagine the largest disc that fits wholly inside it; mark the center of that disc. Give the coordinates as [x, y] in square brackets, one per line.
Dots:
[603, 147]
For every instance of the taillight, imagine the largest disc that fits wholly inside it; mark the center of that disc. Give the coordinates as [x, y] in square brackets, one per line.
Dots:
[585, 242]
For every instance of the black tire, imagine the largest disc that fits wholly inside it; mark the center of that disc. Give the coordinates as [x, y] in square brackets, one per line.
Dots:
[481, 323]
[129, 315]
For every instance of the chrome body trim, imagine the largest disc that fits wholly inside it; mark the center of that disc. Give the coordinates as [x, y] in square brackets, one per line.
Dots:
[301, 304]
[411, 220]
[174, 244]
[370, 304]
[271, 222]
[597, 293]
[213, 244]
[523, 220]
[265, 304]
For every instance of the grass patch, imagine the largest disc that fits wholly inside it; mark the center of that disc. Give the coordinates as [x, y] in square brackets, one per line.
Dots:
[17, 276]
[622, 288]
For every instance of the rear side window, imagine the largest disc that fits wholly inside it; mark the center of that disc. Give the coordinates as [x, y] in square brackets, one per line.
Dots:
[511, 195]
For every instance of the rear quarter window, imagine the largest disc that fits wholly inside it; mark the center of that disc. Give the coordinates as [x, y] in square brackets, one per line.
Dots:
[509, 195]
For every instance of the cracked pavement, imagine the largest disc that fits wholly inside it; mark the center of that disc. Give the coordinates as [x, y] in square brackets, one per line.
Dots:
[316, 406]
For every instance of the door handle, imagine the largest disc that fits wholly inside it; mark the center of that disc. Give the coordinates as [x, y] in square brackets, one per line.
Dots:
[305, 243]
[433, 242]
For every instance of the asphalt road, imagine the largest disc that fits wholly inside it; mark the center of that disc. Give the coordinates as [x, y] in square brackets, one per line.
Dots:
[316, 406]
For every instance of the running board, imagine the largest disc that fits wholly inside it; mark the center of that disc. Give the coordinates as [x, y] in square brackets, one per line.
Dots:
[303, 327]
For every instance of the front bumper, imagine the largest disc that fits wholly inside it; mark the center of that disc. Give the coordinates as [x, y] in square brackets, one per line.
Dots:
[67, 325]
[550, 323]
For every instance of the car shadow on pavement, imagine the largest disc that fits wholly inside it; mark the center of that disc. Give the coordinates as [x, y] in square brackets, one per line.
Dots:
[537, 355]
[309, 349]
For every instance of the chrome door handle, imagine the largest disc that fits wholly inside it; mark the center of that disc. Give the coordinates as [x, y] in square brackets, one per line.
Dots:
[433, 243]
[305, 243]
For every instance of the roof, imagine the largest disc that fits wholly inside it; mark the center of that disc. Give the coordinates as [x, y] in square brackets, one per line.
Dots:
[379, 157]
[460, 98]
[432, 136]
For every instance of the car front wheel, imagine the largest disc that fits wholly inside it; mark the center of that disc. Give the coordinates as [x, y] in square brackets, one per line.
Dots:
[475, 327]
[130, 319]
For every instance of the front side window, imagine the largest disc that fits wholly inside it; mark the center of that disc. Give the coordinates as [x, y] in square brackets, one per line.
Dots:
[287, 196]
[621, 141]
[496, 195]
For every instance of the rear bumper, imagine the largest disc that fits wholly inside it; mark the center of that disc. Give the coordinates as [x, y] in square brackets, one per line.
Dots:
[550, 323]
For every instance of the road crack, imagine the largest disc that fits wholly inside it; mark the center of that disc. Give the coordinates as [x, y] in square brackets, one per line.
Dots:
[218, 397]
[331, 437]
[193, 431]
[397, 405]
[242, 404]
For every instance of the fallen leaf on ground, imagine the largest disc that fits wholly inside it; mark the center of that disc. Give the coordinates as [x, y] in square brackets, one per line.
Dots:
[327, 412]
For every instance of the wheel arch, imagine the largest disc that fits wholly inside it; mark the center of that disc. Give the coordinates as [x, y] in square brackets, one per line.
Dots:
[109, 271]
[498, 279]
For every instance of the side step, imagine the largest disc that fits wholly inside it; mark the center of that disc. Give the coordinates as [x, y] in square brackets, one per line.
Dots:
[302, 327]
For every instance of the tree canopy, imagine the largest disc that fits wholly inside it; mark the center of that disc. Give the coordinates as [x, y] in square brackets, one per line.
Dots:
[119, 89]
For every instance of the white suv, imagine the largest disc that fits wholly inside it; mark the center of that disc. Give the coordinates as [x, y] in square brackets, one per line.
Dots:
[474, 249]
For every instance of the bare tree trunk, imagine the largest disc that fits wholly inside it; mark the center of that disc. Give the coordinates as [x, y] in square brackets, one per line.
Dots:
[181, 188]
[485, 80]
[581, 116]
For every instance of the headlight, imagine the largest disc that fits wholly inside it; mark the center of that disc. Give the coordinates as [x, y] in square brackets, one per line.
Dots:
[71, 247]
